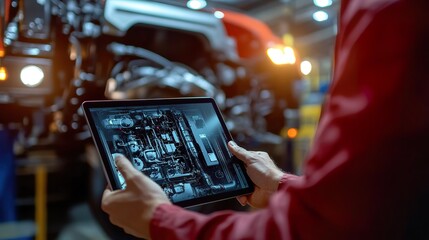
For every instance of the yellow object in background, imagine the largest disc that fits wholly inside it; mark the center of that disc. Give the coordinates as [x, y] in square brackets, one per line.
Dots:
[288, 39]
[41, 202]
[309, 118]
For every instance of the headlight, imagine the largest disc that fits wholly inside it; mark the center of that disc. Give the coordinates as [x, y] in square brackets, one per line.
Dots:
[28, 80]
[3, 74]
[281, 55]
[31, 75]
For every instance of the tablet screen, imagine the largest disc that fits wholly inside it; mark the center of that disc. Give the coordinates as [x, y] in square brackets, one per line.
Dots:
[181, 144]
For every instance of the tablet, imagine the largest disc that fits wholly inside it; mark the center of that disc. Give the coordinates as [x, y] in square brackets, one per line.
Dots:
[180, 143]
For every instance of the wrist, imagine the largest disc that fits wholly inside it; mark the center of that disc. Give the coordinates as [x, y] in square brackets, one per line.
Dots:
[275, 178]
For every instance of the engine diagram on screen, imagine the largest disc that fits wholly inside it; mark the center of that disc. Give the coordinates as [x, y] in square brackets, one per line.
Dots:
[180, 149]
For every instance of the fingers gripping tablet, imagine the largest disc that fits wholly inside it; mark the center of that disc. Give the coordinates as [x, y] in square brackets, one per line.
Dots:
[179, 143]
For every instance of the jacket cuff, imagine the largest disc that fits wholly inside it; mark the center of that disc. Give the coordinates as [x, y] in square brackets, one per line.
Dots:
[159, 214]
[287, 179]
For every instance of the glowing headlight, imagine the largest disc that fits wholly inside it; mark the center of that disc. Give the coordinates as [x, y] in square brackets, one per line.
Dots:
[3, 74]
[280, 55]
[32, 76]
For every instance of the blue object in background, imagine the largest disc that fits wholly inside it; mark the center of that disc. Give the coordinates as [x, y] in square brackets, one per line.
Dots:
[7, 177]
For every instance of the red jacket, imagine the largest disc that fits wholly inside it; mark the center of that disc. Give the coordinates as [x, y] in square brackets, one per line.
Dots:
[367, 176]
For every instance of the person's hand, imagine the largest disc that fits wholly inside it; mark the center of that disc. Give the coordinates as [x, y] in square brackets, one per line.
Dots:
[263, 172]
[133, 207]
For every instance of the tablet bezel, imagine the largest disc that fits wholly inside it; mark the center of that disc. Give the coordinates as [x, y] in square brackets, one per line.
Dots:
[107, 161]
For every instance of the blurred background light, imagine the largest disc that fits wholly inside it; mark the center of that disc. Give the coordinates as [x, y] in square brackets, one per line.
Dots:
[219, 14]
[292, 133]
[3, 74]
[320, 16]
[196, 4]
[279, 55]
[289, 55]
[31, 75]
[306, 67]
[322, 3]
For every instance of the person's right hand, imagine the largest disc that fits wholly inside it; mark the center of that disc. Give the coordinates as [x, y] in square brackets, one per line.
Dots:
[133, 207]
[262, 170]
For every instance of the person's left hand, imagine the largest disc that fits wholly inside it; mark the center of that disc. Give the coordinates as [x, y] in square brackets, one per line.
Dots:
[262, 170]
[133, 207]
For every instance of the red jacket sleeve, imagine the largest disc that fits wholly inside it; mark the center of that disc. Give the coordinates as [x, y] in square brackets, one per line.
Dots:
[172, 222]
[367, 174]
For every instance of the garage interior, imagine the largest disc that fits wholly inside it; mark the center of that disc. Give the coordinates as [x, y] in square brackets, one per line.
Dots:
[54, 185]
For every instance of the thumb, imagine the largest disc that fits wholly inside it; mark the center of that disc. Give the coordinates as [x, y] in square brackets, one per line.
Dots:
[239, 152]
[242, 200]
[124, 166]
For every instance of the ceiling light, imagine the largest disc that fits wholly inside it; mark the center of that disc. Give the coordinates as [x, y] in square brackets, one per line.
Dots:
[322, 3]
[196, 4]
[320, 16]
